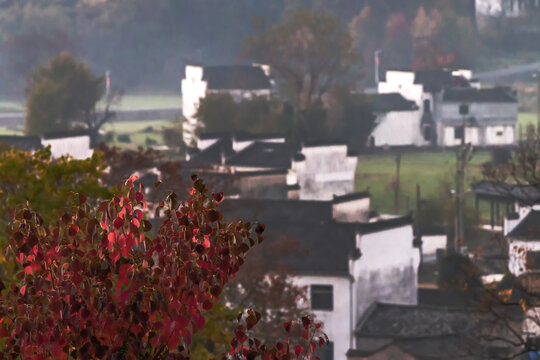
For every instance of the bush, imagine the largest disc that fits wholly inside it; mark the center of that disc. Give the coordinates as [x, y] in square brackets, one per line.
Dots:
[108, 137]
[124, 138]
[93, 284]
[150, 142]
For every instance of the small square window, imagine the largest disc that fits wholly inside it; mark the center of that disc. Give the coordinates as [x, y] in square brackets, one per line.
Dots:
[322, 297]
[459, 132]
[499, 133]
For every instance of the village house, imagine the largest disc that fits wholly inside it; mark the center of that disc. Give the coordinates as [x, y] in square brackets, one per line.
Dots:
[239, 81]
[314, 170]
[505, 8]
[450, 106]
[348, 260]
[73, 143]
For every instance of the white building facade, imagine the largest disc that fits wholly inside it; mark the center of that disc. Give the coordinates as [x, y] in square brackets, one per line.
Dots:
[241, 82]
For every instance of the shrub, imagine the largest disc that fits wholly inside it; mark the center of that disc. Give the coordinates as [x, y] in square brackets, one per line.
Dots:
[95, 285]
[124, 138]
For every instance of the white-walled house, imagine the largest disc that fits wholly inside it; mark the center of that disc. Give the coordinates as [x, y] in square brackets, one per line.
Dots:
[320, 170]
[239, 81]
[490, 119]
[523, 236]
[346, 265]
[73, 143]
[504, 8]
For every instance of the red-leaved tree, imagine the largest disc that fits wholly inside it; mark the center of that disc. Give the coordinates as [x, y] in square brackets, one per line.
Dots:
[95, 286]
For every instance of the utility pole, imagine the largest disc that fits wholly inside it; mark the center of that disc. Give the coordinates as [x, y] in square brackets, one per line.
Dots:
[537, 100]
[396, 189]
[377, 65]
[461, 159]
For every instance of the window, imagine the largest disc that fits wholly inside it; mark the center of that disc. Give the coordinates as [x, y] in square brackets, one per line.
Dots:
[464, 109]
[427, 106]
[499, 133]
[326, 352]
[322, 297]
[459, 132]
[532, 260]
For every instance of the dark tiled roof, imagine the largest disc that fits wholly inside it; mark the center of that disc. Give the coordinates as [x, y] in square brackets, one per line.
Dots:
[212, 154]
[245, 77]
[351, 196]
[239, 136]
[437, 80]
[382, 103]
[318, 143]
[22, 142]
[528, 228]
[265, 155]
[64, 134]
[327, 245]
[494, 95]
[381, 225]
[522, 193]
[412, 321]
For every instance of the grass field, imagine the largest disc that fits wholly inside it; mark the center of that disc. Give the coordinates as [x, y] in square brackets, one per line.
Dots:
[433, 171]
[10, 106]
[147, 102]
[138, 132]
[525, 119]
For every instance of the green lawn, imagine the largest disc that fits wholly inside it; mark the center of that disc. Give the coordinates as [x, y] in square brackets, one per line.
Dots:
[525, 119]
[138, 132]
[9, 106]
[147, 102]
[431, 170]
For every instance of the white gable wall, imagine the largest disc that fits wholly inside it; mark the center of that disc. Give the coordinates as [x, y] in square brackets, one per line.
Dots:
[77, 147]
[387, 271]
[326, 171]
[398, 128]
[402, 82]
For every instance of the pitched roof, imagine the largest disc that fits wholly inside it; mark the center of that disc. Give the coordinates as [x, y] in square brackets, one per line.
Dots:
[212, 154]
[64, 134]
[351, 197]
[326, 245]
[382, 103]
[528, 228]
[22, 142]
[439, 79]
[493, 95]
[265, 155]
[522, 193]
[429, 332]
[244, 77]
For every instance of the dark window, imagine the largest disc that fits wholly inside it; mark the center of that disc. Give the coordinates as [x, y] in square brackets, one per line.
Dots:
[464, 109]
[427, 106]
[532, 260]
[322, 297]
[326, 352]
[458, 132]
[499, 133]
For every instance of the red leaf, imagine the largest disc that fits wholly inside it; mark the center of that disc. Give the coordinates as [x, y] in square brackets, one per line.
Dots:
[135, 222]
[288, 326]
[123, 272]
[298, 350]
[22, 290]
[118, 222]
[73, 230]
[139, 196]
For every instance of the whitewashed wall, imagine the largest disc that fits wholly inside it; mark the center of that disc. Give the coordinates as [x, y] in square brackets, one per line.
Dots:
[431, 243]
[352, 211]
[402, 82]
[77, 146]
[326, 171]
[387, 271]
[398, 128]
[337, 323]
[517, 251]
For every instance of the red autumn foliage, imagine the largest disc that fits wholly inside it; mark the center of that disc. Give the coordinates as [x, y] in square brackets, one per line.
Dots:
[96, 286]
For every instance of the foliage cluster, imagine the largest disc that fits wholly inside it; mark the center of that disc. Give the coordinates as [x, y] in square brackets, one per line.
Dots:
[95, 285]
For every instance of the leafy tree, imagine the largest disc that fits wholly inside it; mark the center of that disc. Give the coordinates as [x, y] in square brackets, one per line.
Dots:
[94, 285]
[48, 184]
[220, 113]
[310, 52]
[64, 94]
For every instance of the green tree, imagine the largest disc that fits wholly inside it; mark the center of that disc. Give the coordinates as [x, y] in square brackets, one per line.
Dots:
[63, 95]
[309, 51]
[220, 113]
